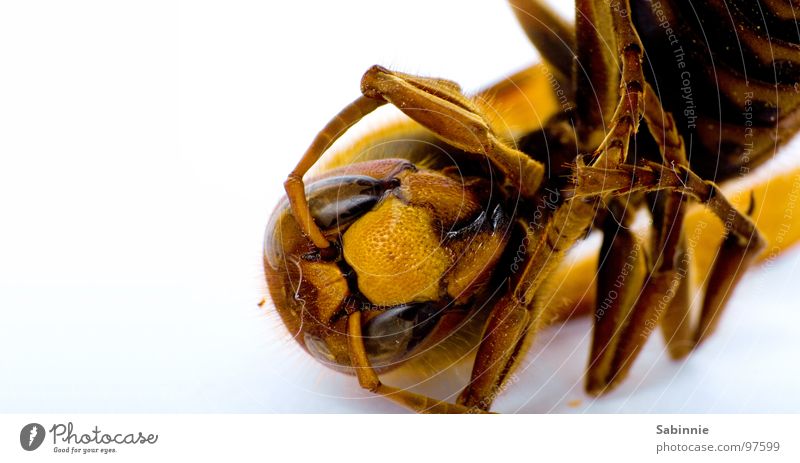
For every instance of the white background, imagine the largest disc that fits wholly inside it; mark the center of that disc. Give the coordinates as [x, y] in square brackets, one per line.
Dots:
[480, 438]
[143, 146]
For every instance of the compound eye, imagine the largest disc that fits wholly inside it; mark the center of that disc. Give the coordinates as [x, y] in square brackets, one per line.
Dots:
[338, 201]
[391, 335]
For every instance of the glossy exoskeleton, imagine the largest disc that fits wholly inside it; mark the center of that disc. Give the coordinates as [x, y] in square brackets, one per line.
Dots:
[408, 239]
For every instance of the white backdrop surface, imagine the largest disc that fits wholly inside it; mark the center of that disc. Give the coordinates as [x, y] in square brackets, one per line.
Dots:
[143, 146]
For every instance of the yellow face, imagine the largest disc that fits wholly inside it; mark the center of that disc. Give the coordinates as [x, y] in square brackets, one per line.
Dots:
[415, 248]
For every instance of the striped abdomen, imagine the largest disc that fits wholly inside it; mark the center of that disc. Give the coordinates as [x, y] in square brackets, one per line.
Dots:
[729, 71]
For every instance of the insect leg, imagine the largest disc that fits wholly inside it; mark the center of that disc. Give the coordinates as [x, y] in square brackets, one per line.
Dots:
[740, 246]
[742, 242]
[368, 379]
[604, 38]
[439, 106]
[596, 75]
[656, 295]
[668, 217]
[613, 149]
[669, 272]
[648, 176]
[517, 317]
[620, 276]
[436, 104]
[549, 33]
[676, 318]
[735, 254]
[295, 188]
[503, 336]
[775, 195]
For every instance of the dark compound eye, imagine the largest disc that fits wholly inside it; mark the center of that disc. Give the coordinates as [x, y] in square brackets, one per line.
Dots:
[336, 202]
[393, 334]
